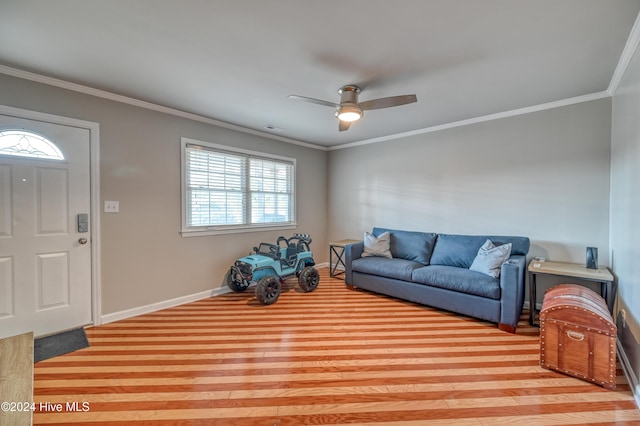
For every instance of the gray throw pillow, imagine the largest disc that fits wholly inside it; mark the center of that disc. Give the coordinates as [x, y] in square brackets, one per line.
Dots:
[380, 246]
[490, 258]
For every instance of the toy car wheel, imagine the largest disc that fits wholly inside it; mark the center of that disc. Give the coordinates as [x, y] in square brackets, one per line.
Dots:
[309, 279]
[268, 290]
[236, 284]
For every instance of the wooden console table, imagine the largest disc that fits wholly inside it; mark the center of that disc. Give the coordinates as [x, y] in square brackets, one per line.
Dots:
[569, 270]
[16, 379]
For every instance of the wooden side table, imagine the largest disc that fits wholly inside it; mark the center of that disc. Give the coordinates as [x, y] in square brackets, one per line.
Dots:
[569, 270]
[336, 249]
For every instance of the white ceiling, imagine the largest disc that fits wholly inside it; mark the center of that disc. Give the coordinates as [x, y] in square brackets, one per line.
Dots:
[236, 61]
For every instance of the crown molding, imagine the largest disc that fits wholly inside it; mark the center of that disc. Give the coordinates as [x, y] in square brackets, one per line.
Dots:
[14, 72]
[482, 119]
[172, 111]
[626, 56]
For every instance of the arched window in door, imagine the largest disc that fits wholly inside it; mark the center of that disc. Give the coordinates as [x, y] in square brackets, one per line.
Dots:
[21, 143]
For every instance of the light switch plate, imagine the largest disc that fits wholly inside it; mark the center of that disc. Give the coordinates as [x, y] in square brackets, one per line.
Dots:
[111, 206]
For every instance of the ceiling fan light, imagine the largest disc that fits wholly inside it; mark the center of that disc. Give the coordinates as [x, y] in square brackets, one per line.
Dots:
[349, 116]
[349, 113]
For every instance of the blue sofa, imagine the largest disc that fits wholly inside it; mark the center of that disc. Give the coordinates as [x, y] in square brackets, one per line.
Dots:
[433, 269]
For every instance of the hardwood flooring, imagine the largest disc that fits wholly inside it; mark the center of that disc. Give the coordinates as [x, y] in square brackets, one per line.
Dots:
[334, 356]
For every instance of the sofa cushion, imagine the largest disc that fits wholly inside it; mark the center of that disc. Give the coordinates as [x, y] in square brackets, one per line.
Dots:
[456, 250]
[458, 279]
[490, 258]
[461, 250]
[400, 269]
[377, 246]
[408, 245]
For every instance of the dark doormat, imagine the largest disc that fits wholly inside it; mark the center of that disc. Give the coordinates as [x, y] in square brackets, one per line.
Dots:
[59, 344]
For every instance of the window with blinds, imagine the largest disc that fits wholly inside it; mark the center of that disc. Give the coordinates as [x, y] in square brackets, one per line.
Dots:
[227, 189]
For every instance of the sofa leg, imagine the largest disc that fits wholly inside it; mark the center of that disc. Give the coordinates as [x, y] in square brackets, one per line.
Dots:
[352, 287]
[508, 328]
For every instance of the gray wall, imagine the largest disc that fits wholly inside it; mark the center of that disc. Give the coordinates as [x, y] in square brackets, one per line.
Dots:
[625, 206]
[543, 175]
[144, 258]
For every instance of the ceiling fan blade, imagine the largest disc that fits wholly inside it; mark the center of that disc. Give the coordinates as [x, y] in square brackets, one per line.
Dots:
[314, 101]
[344, 125]
[388, 102]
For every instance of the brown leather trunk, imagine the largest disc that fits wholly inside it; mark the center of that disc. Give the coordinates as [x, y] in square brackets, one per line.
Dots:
[578, 335]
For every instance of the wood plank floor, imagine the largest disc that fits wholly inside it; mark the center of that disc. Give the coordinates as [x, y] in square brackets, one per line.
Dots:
[332, 357]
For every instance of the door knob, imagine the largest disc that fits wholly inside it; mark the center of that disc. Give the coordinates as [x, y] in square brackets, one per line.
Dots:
[83, 240]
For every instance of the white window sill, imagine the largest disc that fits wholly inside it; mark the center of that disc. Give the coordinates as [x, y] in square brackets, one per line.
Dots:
[200, 232]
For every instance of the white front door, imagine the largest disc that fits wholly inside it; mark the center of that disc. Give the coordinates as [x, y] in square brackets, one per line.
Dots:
[45, 256]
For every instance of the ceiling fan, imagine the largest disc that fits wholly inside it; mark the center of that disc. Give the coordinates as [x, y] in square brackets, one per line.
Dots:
[350, 110]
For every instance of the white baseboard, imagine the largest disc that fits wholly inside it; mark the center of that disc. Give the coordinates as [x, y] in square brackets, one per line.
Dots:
[146, 309]
[141, 310]
[628, 373]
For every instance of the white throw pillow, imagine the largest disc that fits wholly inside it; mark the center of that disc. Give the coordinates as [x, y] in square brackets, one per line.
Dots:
[490, 258]
[380, 246]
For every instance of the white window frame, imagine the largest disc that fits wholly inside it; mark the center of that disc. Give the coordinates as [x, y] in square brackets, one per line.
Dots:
[189, 231]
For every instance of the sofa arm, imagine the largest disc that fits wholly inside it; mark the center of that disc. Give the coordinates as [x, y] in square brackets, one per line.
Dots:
[351, 252]
[512, 277]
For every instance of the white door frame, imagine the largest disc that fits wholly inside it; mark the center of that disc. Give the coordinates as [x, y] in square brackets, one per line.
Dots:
[94, 164]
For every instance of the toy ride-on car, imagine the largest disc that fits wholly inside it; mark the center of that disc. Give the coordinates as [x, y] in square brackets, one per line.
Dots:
[271, 264]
